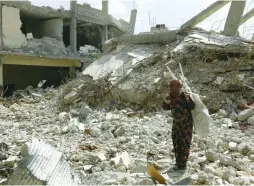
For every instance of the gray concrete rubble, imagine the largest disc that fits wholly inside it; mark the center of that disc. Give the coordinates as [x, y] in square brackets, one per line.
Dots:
[108, 121]
[151, 37]
[43, 166]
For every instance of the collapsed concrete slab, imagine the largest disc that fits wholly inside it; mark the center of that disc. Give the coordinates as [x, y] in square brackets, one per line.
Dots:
[118, 63]
[43, 166]
[154, 37]
[213, 41]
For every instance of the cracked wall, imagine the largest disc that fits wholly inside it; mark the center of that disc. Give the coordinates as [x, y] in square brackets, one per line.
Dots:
[12, 35]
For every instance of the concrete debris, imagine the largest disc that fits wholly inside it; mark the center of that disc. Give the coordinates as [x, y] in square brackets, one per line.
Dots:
[251, 121]
[3, 151]
[88, 49]
[83, 113]
[28, 172]
[118, 63]
[106, 127]
[109, 45]
[244, 115]
[29, 36]
[47, 46]
[211, 155]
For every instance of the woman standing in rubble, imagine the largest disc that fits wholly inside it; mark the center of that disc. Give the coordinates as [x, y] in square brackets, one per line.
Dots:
[180, 105]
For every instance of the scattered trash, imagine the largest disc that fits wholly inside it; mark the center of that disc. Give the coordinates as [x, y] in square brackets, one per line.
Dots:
[155, 175]
[88, 147]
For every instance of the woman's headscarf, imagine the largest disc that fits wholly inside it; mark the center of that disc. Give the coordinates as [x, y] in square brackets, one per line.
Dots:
[175, 82]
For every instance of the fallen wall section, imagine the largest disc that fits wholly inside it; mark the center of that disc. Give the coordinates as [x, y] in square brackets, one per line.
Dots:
[162, 37]
[12, 35]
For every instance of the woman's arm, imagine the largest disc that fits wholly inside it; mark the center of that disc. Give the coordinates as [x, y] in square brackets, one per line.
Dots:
[166, 104]
[190, 102]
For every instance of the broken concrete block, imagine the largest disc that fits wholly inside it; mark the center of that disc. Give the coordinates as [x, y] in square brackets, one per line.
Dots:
[251, 121]
[29, 36]
[219, 80]
[244, 148]
[139, 169]
[71, 97]
[232, 146]
[24, 150]
[121, 169]
[111, 182]
[62, 116]
[73, 125]
[209, 170]
[10, 162]
[122, 159]
[43, 166]
[225, 160]
[233, 116]
[229, 173]
[102, 156]
[87, 168]
[244, 115]
[3, 151]
[83, 113]
[119, 132]
[109, 45]
[223, 113]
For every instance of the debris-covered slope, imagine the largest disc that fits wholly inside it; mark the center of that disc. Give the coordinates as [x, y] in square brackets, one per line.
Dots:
[106, 132]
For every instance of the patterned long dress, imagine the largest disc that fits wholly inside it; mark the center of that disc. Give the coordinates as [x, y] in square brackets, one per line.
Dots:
[182, 127]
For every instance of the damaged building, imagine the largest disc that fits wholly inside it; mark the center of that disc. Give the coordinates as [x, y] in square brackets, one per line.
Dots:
[41, 43]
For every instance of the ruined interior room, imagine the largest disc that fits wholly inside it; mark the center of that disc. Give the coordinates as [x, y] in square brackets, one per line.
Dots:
[31, 76]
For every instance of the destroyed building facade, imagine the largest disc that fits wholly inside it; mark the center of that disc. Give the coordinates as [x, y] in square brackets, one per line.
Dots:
[30, 31]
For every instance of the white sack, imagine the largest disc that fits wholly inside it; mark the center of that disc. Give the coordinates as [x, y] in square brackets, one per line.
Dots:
[201, 117]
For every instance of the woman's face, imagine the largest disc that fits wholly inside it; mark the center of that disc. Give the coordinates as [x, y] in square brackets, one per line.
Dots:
[174, 89]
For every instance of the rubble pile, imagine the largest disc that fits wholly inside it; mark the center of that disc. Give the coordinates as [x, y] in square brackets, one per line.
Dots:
[103, 124]
[83, 89]
[53, 47]
[47, 46]
[105, 147]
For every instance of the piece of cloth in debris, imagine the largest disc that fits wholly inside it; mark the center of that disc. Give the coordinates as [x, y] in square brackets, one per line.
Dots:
[182, 126]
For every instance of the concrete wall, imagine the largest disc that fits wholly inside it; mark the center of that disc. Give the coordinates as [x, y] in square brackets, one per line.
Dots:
[12, 35]
[52, 28]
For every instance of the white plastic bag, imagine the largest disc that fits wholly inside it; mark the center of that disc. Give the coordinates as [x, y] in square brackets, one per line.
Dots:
[201, 117]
